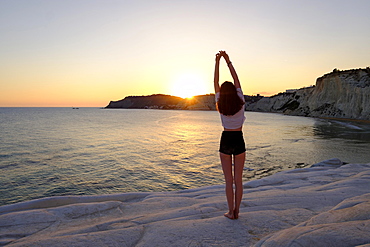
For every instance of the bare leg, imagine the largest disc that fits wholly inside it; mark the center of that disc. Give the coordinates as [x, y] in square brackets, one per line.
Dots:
[238, 178]
[226, 161]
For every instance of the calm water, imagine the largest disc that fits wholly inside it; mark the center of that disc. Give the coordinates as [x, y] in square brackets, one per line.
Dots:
[63, 151]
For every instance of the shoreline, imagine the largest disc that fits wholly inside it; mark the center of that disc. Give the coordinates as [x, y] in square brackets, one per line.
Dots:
[325, 204]
[249, 174]
[281, 113]
[346, 119]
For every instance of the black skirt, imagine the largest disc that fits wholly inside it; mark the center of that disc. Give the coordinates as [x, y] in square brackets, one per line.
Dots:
[232, 143]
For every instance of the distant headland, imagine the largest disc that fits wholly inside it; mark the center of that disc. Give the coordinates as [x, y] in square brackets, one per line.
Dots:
[162, 101]
[339, 94]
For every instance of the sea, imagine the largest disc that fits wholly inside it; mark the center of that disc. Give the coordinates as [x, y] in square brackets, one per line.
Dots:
[48, 152]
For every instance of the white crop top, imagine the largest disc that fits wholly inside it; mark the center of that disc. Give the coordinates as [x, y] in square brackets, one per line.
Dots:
[235, 121]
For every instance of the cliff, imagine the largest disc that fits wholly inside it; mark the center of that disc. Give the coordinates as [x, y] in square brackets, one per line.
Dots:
[161, 101]
[140, 102]
[339, 94]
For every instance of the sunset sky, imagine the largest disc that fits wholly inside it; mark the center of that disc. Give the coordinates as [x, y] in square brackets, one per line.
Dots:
[86, 53]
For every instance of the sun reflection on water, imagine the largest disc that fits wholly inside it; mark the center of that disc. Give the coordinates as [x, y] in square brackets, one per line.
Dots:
[64, 152]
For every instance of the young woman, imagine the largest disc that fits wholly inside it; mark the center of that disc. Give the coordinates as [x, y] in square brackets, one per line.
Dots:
[230, 104]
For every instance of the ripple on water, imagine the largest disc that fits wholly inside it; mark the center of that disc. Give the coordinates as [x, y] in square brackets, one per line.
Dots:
[59, 151]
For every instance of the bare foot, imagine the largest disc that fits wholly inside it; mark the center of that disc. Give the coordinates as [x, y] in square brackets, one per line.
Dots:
[236, 214]
[229, 215]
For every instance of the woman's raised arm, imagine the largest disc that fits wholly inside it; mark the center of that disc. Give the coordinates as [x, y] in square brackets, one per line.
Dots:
[231, 68]
[217, 73]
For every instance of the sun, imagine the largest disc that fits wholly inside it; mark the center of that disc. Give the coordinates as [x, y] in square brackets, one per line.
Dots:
[188, 85]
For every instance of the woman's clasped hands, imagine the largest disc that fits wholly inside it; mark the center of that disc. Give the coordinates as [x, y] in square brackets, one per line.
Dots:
[222, 54]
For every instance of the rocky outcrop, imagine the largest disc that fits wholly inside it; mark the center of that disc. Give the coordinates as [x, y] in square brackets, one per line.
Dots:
[141, 102]
[161, 101]
[201, 102]
[324, 205]
[339, 94]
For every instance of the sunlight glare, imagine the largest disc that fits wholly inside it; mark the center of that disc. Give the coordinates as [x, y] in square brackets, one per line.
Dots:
[188, 85]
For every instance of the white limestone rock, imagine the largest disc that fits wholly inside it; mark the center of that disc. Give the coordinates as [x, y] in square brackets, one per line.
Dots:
[325, 205]
[340, 94]
[347, 224]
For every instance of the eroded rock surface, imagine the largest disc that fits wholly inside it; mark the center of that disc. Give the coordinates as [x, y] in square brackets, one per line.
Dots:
[316, 206]
[340, 94]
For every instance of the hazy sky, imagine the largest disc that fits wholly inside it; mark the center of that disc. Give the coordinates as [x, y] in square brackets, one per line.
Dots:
[86, 53]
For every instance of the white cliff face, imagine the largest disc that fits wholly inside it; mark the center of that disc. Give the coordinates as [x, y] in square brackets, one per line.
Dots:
[340, 94]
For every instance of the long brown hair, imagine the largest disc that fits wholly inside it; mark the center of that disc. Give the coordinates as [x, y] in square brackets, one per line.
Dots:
[229, 102]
